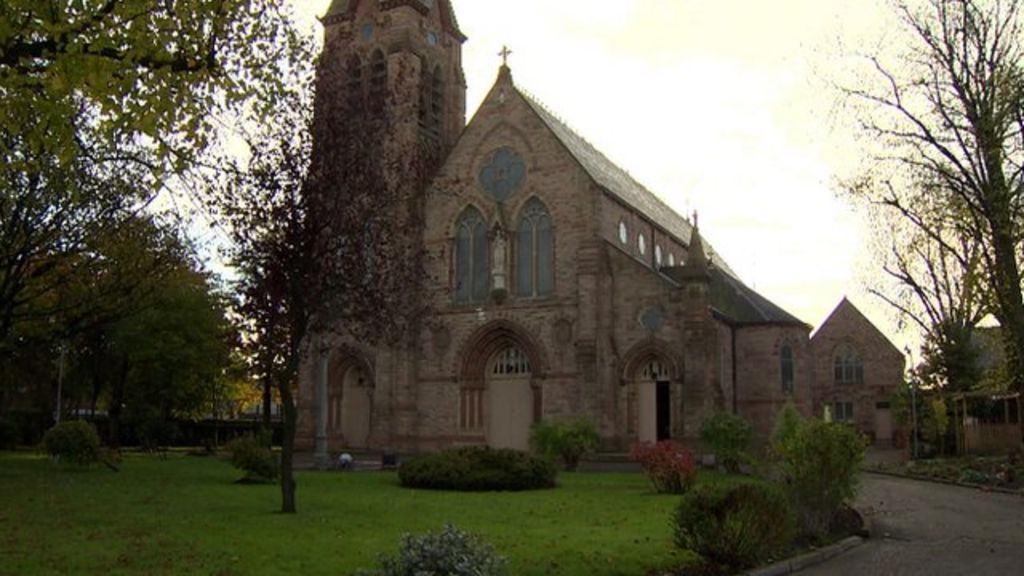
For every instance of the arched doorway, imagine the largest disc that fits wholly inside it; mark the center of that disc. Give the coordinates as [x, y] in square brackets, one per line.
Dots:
[349, 405]
[654, 398]
[509, 399]
[652, 389]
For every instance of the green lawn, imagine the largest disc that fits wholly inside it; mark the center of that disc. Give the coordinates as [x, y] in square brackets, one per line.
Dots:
[183, 515]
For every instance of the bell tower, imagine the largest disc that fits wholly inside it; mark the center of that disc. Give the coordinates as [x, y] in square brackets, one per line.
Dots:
[399, 58]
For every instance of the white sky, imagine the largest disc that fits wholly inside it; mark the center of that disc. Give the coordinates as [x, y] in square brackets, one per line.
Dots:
[720, 106]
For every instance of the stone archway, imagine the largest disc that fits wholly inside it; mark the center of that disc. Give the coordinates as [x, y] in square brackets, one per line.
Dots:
[349, 403]
[509, 399]
[651, 382]
[501, 395]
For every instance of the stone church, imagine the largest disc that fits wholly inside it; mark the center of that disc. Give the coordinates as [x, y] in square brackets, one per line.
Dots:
[559, 286]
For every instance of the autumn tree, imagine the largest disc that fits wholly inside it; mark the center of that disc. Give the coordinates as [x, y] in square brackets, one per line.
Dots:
[949, 119]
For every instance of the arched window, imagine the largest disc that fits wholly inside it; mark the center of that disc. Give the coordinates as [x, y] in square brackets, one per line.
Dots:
[657, 255]
[641, 244]
[671, 259]
[378, 78]
[787, 368]
[535, 251]
[847, 367]
[354, 82]
[471, 282]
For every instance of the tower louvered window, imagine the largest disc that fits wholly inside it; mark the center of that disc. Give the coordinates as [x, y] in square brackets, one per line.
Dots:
[431, 101]
[354, 83]
[471, 274]
[535, 251]
[378, 79]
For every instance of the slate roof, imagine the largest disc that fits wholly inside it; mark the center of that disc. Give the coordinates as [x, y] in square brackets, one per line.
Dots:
[730, 297]
[617, 181]
[742, 305]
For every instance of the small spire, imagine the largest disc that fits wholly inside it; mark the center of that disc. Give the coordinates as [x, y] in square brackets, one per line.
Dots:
[696, 259]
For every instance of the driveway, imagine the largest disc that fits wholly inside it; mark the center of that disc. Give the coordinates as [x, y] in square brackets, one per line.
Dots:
[928, 529]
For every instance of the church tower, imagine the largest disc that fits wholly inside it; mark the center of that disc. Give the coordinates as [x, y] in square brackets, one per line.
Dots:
[402, 58]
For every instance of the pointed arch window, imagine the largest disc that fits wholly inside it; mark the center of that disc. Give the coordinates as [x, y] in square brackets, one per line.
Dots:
[471, 280]
[787, 367]
[535, 251]
[847, 366]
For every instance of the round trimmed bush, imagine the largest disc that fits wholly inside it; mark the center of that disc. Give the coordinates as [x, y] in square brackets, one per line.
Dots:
[449, 553]
[74, 441]
[478, 469]
[739, 526]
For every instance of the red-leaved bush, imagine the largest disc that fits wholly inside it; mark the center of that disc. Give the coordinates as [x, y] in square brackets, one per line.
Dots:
[669, 465]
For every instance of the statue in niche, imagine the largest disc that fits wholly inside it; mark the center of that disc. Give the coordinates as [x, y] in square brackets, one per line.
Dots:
[499, 264]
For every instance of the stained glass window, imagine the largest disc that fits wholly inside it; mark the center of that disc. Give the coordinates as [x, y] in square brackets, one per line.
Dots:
[787, 367]
[535, 251]
[471, 281]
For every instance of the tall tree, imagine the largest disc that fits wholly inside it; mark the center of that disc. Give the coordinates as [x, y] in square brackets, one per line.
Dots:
[951, 120]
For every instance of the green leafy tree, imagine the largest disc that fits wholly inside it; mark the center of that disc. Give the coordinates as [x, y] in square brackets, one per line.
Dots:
[820, 464]
[105, 103]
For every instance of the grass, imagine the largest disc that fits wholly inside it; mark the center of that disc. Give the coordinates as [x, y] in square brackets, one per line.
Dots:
[184, 515]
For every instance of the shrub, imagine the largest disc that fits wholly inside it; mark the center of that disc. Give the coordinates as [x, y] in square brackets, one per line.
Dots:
[9, 434]
[728, 436]
[478, 469]
[449, 553]
[786, 426]
[74, 441]
[157, 435]
[254, 458]
[819, 464]
[669, 465]
[570, 440]
[739, 526]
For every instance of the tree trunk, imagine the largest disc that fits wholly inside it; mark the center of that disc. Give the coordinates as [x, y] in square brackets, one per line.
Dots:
[116, 400]
[287, 448]
[267, 402]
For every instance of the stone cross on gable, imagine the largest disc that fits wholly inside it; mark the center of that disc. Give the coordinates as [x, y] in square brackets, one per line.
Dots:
[505, 53]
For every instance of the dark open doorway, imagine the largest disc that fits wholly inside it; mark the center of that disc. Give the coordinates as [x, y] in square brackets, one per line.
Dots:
[664, 412]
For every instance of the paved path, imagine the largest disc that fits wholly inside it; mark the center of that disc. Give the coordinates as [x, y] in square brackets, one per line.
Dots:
[932, 529]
